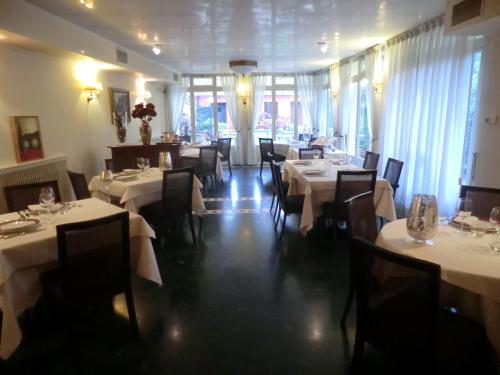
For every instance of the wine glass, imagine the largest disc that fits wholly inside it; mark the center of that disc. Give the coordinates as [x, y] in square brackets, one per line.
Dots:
[107, 179]
[422, 221]
[316, 154]
[145, 166]
[140, 163]
[46, 200]
[495, 221]
[464, 209]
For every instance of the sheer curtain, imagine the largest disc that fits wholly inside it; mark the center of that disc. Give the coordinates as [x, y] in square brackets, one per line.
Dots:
[257, 89]
[176, 97]
[312, 97]
[230, 87]
[344, 111]
[370, 95]
[425, 111]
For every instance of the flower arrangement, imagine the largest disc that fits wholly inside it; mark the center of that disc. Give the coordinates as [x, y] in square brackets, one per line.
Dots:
[144, 112]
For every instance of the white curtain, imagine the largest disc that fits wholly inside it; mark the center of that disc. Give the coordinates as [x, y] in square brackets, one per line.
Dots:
[257, 89]
[334, 88]
[345, 111]
[312, 96]
[230, 87]
[370, 60]
[176, 97]
[425, 111]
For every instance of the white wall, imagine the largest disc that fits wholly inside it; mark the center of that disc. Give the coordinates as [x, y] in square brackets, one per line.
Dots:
[487, 138]
[36, 84]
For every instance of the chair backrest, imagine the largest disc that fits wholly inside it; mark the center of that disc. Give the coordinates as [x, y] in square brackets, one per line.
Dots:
[392, 172]
[352, 183]
[422, 282]
[185, 138]
[94, 258]
[177, 192]
[278, 184]
[109, 164]
[266, 147]
[18, 197]
[361, 218]
[371, 160]
[483, 199]
[79, 184]
[308, 153]
[207, 161]
[225, 148]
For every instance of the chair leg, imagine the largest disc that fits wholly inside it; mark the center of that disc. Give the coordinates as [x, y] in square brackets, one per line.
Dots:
[348, 303]
[283, 226]
[261, 164]
[131, 311]
[272, 202]
[357, 355]
[277, 221]
[278, 207]
[200, 226]
[229, 165]
[214, 179]
[191, 226]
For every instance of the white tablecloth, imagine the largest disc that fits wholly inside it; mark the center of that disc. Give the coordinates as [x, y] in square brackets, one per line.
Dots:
[281, 148]
[194, 152]
[466, 262]
[293, 154]
[142, 191]
[23, 258]
[320, 189]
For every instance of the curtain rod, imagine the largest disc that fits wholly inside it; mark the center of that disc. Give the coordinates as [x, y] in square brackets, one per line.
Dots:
[419, 29]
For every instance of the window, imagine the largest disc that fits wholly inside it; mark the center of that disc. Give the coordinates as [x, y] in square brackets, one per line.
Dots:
[185, 123]
[264, 128]
[204, 116]
[467, 163]
[363, 138]
[224, 124]
[285, 114]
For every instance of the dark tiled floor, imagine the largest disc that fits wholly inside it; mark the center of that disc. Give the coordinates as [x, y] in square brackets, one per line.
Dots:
[239, 302]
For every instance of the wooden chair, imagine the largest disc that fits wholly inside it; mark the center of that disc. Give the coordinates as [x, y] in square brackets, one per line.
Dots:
[311, 141]
[225, 149]
[371, 160]
[483, 199]
[409, 324]
[93, 265]
[18, 197]
[207, 165]
[361, 222]
[308, 153]
[109, 164]
[392, 173]
[267, 153]
[176, 200]
[290, 204]
[349, 184]
[79, 184]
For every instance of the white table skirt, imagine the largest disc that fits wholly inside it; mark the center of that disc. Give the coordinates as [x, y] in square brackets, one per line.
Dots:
[467, 263]
[24, 258]
[279, 148]
[293, 154]
[320, 189]
[194, 152]
[142, 191]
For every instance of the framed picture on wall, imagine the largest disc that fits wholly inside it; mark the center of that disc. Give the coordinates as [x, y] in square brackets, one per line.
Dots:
[120, 104]
[26, 137]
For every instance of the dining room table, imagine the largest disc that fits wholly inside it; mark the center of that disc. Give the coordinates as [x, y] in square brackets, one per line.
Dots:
[317, 179]
[293, 153]
[140, 189]
[470, 270]
[24, 256]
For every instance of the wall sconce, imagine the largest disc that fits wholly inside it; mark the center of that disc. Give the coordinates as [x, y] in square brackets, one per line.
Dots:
[243, 89]
[377, 87]
[93, 90]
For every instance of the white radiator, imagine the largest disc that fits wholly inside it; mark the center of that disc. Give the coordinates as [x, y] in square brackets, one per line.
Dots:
[49, 169]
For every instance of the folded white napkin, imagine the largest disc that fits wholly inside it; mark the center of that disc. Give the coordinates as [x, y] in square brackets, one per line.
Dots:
[321, 141]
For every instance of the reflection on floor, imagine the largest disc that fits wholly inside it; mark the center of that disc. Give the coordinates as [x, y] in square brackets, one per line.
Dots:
[239, 302]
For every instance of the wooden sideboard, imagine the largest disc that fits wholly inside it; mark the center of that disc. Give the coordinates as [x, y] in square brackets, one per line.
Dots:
[125, 156]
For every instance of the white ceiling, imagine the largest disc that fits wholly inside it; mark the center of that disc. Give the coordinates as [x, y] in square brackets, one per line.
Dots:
[201, 36]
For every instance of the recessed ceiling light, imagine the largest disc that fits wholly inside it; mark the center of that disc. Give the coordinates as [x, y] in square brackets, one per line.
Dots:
[88, 3]
[323, 46]
[156, 49]
[142, 36]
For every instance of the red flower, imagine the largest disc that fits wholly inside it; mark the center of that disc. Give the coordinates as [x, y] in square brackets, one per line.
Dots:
[145, 113]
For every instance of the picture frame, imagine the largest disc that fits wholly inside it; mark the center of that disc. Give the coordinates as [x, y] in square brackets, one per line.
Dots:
[27, 138]
[119, 100]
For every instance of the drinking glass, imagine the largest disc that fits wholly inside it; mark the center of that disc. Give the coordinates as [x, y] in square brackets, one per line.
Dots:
[495, 221]
[479, 227]
[140, 163]
[46, 200]
[422, 222]
[165, 161]
[146, 166]
[464, 209]
[107, 179]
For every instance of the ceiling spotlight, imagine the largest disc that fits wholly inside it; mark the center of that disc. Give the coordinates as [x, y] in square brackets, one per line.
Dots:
[323, 46]
[88, 3]
[157, 49]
